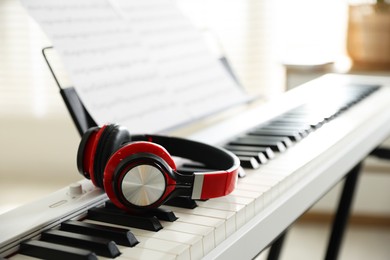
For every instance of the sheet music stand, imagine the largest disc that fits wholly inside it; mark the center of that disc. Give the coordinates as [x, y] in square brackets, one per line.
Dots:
[80, 115]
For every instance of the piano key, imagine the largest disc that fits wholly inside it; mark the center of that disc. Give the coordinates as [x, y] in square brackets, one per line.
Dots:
[206, 232]
[303, 129]
[177, 242]
[182, 202]
[228, 216]
[249, 162]
[268, 193]
[276, 146]
[194, 242]
[137, 253]
[314, 123]
[261, 138]
[217, 224]
[238, 209]
[293, 135]
[170, 248]
[120, 236]
[255, 195]
[296, 123]
[148, 213]
[46, 250]
[260, 157]
[249, 204]
[120, 218]
[265, 150]
[100, 246]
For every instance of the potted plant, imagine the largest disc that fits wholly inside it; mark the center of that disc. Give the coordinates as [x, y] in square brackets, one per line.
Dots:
[368, 35]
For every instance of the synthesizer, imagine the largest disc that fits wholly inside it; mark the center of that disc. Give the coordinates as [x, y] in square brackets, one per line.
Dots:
[293, 149]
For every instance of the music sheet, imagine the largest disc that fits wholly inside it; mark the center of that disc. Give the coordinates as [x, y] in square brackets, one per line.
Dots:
[137, 63]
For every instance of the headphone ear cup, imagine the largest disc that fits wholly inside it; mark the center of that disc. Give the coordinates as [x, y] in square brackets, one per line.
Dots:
[84, 152]
[111, 139]
[133, 153]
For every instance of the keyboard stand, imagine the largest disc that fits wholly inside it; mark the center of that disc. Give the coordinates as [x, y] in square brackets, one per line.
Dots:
[83, 120]
[382, 153]
[340, 220]
[342, 214]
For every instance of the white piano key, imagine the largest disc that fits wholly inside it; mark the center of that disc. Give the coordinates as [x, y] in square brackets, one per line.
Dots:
[238, 209]
[165, 247]
[181, 245]
[144, 253]
[228, 216]
[256, 195]
[263, 183]
[269, 194]
[206, 232]
[274, 181]
[193, 241]
[217, 224]
[249, 204]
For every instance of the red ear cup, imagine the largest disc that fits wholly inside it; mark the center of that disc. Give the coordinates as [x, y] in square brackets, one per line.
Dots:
[152, 160]
[109, 139]
[85, 151]
[96, 146]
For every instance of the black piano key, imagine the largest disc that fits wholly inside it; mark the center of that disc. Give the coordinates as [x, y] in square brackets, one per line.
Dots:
[265, 150]
[248, 162]
[100, 246]
[274, 145]
[161, 214]
[303, 130]
[182, 202]
[260, 157]
[293, 135]
[120, 236]
[311, 123]
[46, 250]
[124, 219]
[320, 116]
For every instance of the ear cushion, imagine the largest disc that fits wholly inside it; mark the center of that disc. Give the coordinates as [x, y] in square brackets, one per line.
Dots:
[111, 139]
[84, 151]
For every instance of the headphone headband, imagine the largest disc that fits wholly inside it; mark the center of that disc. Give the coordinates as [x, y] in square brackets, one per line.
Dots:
[209, 155]
[206, 184]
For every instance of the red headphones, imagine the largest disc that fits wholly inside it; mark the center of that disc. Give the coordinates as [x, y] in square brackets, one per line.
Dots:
[139, 172]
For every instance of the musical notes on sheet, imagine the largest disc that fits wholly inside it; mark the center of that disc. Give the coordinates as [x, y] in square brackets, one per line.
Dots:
[137, 63]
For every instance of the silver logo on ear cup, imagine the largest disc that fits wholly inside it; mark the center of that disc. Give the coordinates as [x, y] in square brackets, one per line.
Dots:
[143, 185]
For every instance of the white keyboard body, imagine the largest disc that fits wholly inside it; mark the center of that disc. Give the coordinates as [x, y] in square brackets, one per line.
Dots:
[265, 202]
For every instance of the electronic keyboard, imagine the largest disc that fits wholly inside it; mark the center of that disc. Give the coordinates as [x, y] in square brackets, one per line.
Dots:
[293, 150]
